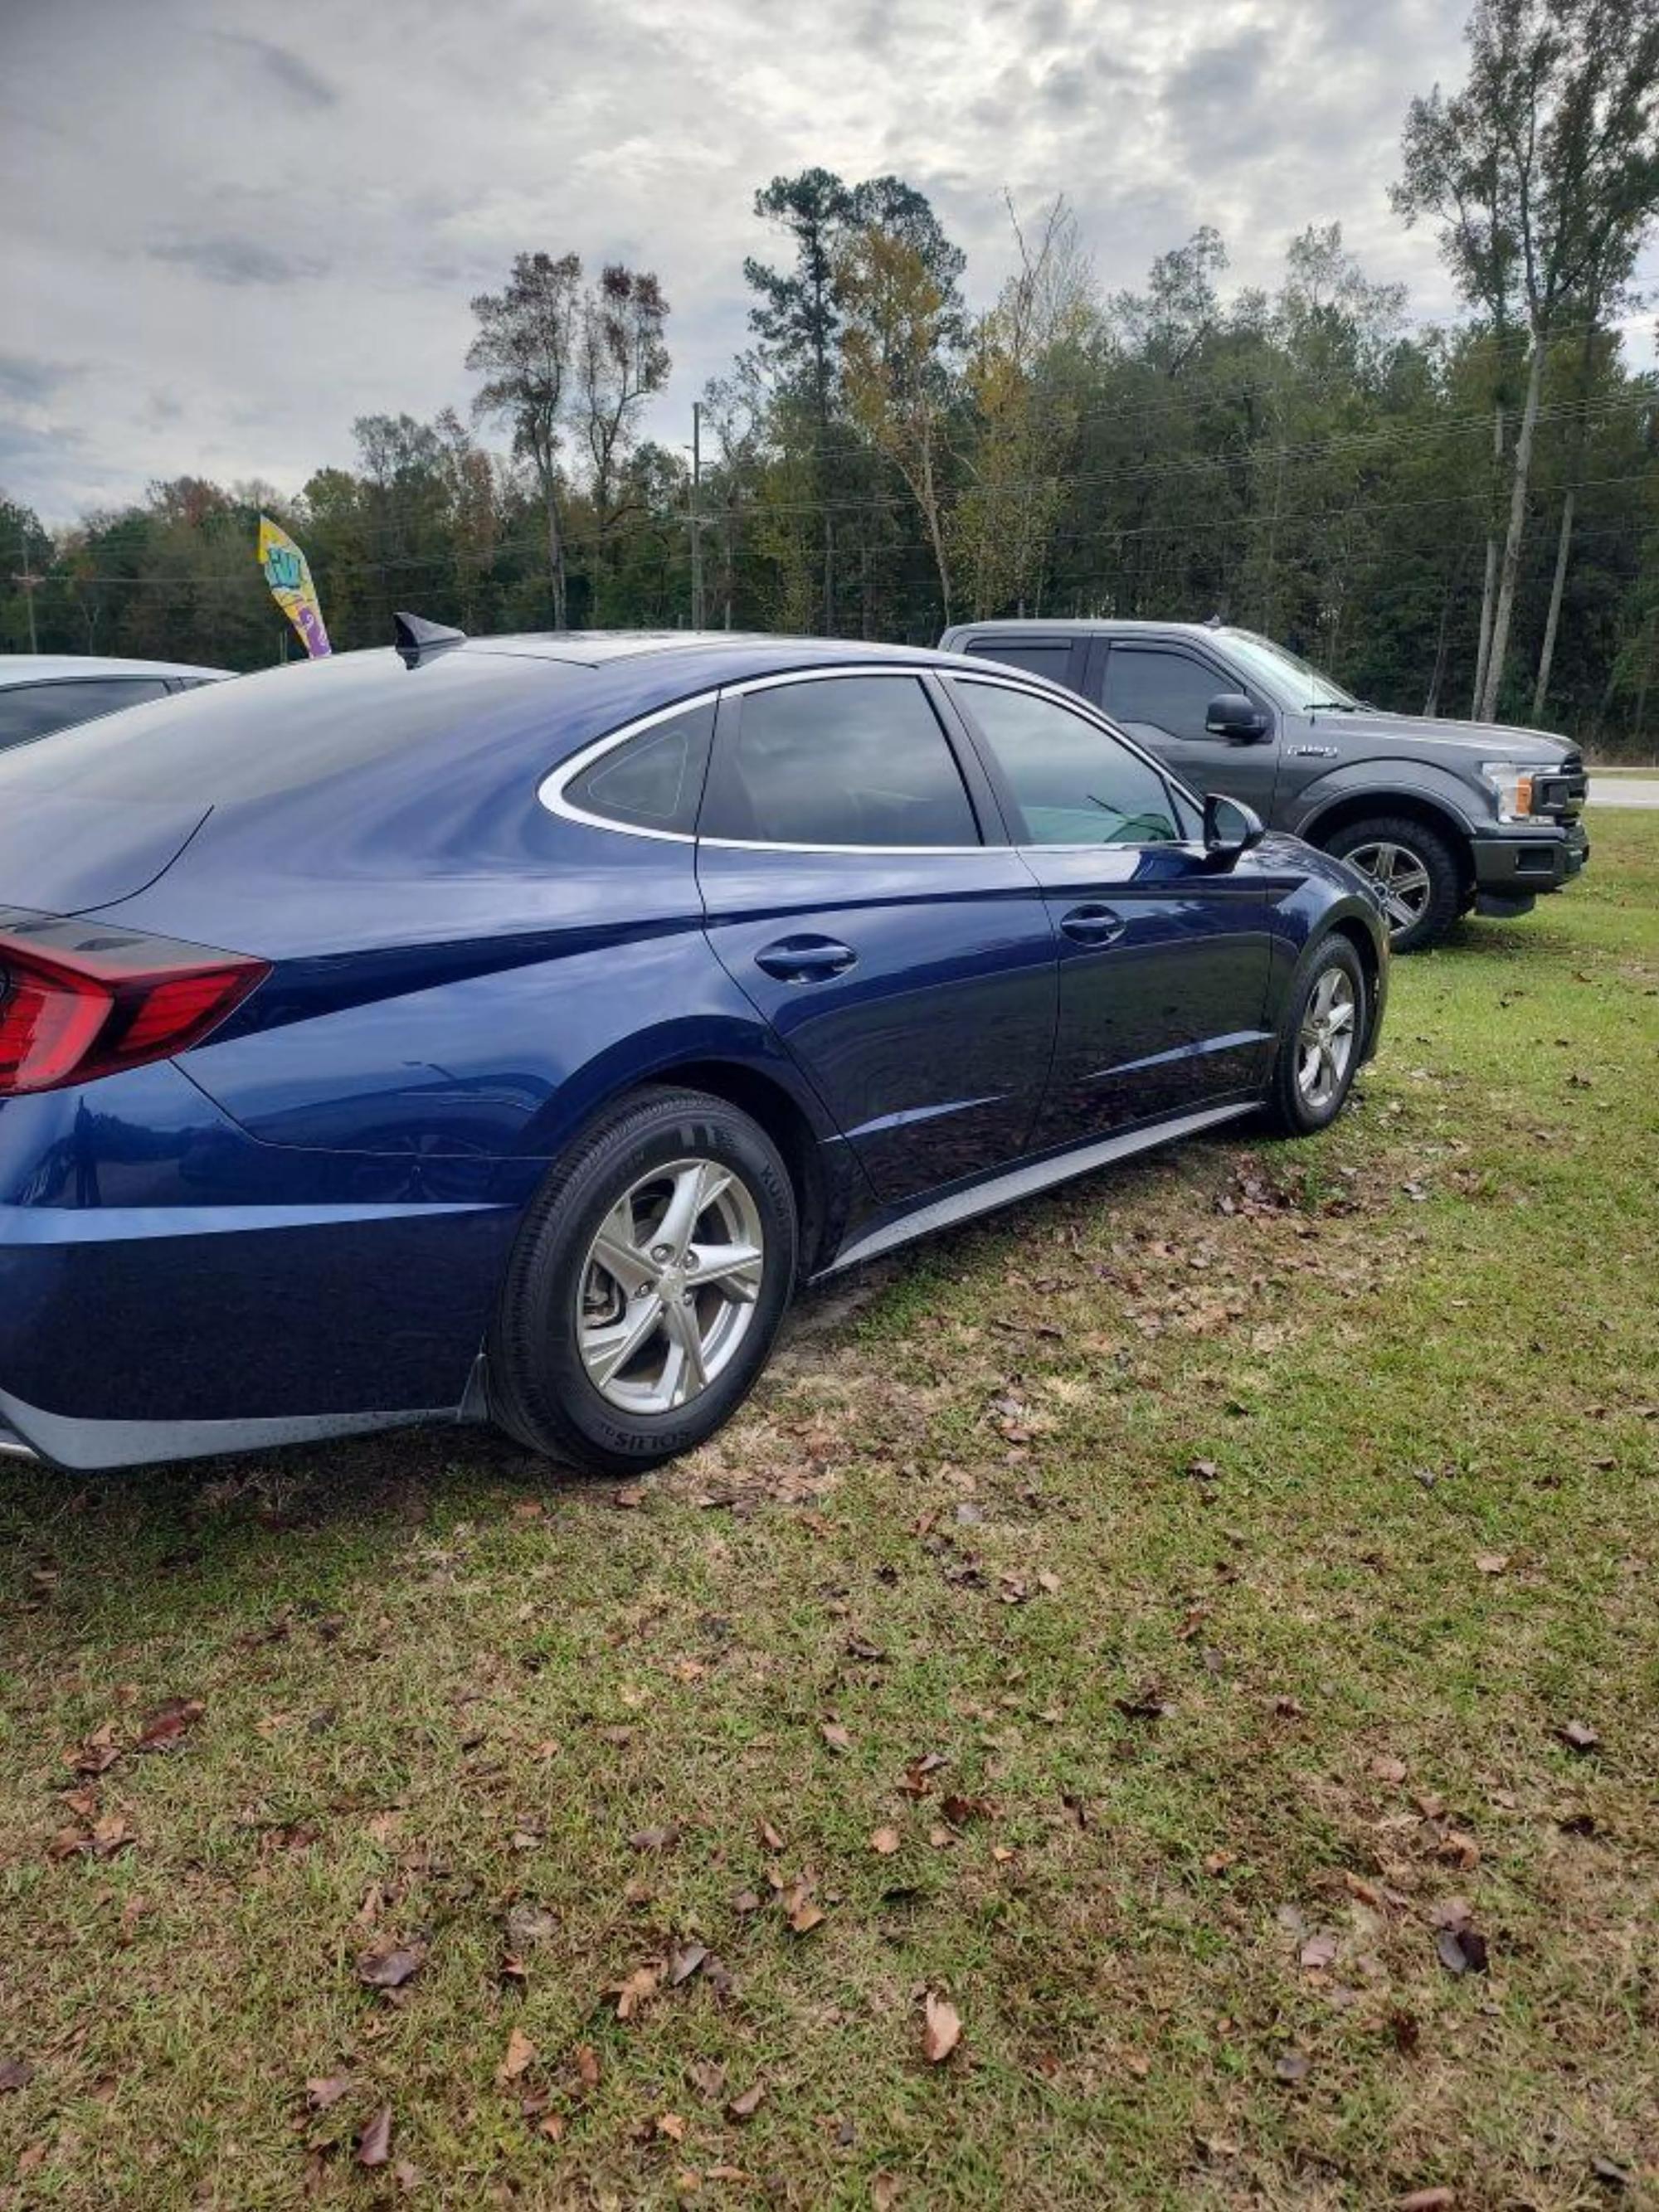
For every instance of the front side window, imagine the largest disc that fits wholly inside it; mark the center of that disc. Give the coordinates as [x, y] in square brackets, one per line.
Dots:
[651, 782]
[846, 760]
[1073, 784]
[33, 710]
[1156, 688]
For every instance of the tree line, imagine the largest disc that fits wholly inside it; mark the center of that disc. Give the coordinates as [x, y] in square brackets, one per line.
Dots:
[1458, 517]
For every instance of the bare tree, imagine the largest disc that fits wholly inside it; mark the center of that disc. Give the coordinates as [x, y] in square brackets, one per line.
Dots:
[621, 361]
[526, 336]
[1543, 174]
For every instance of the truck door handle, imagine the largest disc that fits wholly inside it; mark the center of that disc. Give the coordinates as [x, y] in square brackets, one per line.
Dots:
[805, 959]
[1093, 924]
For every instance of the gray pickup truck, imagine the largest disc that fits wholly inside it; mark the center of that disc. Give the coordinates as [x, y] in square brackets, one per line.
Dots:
[1443, 817]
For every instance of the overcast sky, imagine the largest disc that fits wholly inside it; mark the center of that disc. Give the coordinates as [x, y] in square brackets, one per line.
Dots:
[227, 229]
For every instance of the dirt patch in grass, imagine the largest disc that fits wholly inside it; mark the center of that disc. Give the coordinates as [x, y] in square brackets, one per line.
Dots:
[1198, 1630]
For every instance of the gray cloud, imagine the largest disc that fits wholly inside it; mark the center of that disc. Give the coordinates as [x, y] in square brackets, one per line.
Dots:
[288, 73]
[26, 382]
[239, 260]
[275, 220]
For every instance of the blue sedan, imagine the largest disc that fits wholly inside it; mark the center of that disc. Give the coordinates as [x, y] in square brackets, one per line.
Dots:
[504, 1028]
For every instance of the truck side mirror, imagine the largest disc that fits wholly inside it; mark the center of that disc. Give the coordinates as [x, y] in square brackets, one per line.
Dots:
[1233, 716]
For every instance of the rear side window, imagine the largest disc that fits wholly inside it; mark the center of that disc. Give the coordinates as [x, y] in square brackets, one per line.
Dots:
[1038, 657]
[653, 781]
[33, 710]
[847, 760]
[1150, 688]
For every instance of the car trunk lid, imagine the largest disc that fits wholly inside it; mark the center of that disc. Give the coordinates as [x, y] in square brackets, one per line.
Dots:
[62, 852]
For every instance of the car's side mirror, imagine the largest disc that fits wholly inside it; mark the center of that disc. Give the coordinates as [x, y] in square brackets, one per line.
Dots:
[1232, 715]
[1229, 828]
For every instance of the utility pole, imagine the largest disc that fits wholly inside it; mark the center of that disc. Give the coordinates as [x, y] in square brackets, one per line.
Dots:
[696, 514]
[31, 584]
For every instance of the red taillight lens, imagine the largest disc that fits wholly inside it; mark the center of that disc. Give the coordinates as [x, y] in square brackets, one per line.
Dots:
[78, 1000]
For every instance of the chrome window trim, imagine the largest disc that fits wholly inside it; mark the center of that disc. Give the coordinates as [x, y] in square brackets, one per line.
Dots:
[1087, 711]
[551, 790]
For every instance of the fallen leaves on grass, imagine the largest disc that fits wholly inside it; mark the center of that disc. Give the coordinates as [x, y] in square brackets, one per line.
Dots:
[1579, 1735]
[836, 1737]
[941, 2029]
[745, 2107]
[1459, 1944]
[1291, 2067]
[168, 1725]
[374, 2143]
[15, 2073]
[653, 1839]
[636, 1991]
[95, 1754]
[885, 1842]
[1384, 1769]
[1429, 2200]
[1492, 1563]
[387, 1965]
[521, 2054]
[685, 1963]
[325, 2089]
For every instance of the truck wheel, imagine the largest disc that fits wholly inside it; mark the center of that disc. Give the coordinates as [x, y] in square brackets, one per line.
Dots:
[646, 1284]
[1415, 870]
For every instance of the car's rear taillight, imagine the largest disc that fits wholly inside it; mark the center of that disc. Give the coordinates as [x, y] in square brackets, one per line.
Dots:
[79, 999]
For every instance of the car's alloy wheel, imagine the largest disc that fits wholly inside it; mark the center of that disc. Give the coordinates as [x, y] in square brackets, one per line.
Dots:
[668, 1291]
[646, 1284]
[1327, 1038]
[1319, 1041]
[1402, 877]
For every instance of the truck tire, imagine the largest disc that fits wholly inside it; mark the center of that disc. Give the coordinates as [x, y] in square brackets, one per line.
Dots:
[1415, 869]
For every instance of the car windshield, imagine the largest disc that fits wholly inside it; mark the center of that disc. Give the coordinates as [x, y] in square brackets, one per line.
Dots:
[1294, 681]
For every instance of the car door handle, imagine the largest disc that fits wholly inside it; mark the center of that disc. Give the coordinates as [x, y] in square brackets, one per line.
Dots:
[805, 959]
[1093, 924]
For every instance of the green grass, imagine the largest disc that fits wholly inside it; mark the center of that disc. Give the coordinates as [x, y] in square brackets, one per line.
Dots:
[961, 1517]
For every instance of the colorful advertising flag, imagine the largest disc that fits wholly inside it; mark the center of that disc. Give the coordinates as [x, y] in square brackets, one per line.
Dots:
[289, 574]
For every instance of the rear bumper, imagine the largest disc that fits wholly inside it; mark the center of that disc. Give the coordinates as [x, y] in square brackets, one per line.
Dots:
[1520, 863]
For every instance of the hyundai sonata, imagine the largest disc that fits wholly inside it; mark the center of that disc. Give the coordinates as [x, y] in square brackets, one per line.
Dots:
[504, 1028]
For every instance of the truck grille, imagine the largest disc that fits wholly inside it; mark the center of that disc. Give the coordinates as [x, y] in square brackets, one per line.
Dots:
[1560, 791]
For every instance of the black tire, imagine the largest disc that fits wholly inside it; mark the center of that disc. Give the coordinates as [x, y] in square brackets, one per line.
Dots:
[1445, 900]
[1288, 1108]
[540, 1390]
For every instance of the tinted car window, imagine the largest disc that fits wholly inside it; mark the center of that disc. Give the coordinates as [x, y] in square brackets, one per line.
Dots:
[654, 781]
[31, 710]
[286, 728]
[852, 759]
[1160, 688]
[1036, 660]
[1075, 785]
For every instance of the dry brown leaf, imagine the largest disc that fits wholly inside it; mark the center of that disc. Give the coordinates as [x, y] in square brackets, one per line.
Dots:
[941, 2029]
[587, 2066]
[671, 2125]
[637, 1990]
[168, 1725]
[15, 2073]
[745, 2107]
[1492, 1563]
[325, 2089]
[1428, 2200]
[885, 1842]
[387, 1965]
[520, 2053]
[1389, 1769]
[836, 1737]
[1579, 1735]
[374, 2143]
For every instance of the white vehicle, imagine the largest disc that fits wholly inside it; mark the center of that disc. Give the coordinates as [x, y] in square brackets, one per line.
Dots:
[40, 692]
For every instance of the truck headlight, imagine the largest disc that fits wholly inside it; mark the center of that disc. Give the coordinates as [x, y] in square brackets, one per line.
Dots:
[1511, 782]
